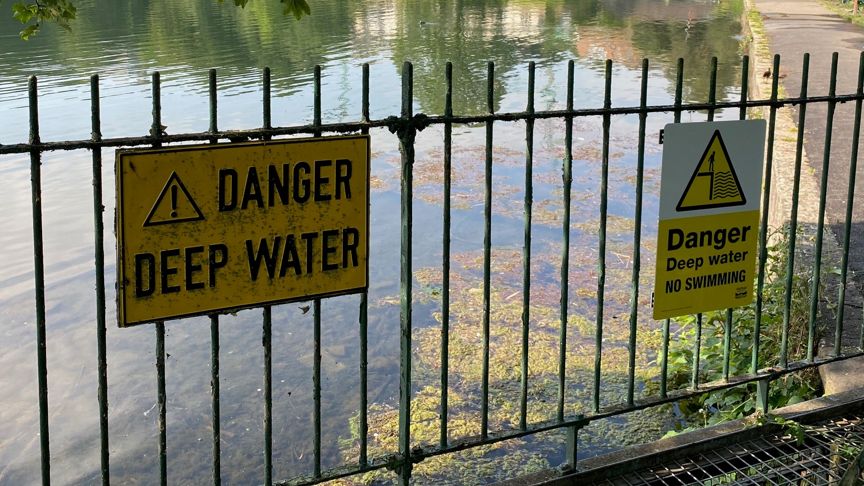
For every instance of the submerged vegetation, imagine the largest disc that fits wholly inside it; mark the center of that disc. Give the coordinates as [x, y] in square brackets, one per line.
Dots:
[465, 337]
[518, 456]
[524, 455]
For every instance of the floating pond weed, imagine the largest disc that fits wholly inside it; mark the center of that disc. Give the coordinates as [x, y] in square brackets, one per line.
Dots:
[517, 456]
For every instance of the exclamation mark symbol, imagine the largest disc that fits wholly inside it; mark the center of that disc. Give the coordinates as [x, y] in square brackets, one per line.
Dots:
[173, 200]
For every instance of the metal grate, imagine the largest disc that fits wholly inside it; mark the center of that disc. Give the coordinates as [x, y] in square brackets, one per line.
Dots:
[828, 448]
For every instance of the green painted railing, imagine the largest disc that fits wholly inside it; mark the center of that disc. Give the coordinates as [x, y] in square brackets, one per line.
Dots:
[405, 126]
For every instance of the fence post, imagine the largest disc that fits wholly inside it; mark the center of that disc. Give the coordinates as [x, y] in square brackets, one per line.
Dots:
[572, 447]
[850, 198]
[487, 250]
[99, 258]
[664, 353]
[763, 226]
[316, 310]
[39, 282]
[637, 237]
[445, 256]
[762, 387]
[214, 323]
[820, 222]
[526, 249]
[793, 216]
[567, 182]
[601, 234]
[156, 130]
[407, 133]
[364, 308]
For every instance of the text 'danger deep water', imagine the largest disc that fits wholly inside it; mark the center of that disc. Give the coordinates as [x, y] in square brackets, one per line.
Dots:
[203, 229]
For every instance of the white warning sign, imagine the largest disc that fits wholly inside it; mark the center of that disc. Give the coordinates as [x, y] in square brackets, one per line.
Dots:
[710, 185]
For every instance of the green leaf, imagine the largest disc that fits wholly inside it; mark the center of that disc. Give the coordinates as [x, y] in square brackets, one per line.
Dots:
[28, 32]
[23, 12]
[298, 8]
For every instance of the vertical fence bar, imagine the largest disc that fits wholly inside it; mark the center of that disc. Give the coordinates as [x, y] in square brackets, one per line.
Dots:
[850, 198]
[712, 102]
[526, 248]
[694, 377]
[213, 101]
[820, 225]
[679, 89]
[267, 316]
[267, 344]
[567, 182]
[265, 101]
[39, 281]
[364, 101]
[745, 87]
[445, 255]
[406, 148]
[99, 258]
[156, 126]
[316, 383]
[316, 311]
[487, 250]
[601, 252]
[763, 227]
[572, 450]
[664, 358]
[727, 343]
[742, 115]
[793, 218]
[156, 130]
[664, 352]
[214, 326]
[762, 393]
[316, 107]
[637, 236]
[161, 401]
[712, 89]
[214, 396]
[364, 310]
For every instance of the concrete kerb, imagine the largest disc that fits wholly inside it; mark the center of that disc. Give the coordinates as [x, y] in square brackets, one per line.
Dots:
[836, 377]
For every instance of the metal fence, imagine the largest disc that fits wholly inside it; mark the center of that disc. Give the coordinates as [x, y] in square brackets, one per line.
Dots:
[405, 126]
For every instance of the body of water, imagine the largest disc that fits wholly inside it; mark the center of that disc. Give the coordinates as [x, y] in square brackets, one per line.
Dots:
[125, 41]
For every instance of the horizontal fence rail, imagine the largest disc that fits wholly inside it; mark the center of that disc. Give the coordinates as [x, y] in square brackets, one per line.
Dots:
[405, 127]
[419, 121]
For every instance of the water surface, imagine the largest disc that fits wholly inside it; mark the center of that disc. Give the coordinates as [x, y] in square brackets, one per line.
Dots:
[125, 41]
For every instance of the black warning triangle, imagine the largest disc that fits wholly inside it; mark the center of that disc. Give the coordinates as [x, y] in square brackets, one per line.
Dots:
[174, 205]
[714, 183]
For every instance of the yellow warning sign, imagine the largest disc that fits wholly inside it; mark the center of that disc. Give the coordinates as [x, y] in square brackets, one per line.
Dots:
[714, 183]
[704, 263]
[212, 228]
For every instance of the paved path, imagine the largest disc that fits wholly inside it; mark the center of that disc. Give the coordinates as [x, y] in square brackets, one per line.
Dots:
[794, 27]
